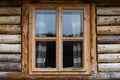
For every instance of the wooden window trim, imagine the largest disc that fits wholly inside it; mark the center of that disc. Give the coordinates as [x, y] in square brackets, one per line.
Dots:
[86, 68]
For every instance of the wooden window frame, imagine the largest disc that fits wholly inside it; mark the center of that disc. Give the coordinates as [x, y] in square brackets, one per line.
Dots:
[86, 69]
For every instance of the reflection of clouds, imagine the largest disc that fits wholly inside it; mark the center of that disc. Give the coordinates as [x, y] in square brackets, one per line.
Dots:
[45, 22]
[73, 18]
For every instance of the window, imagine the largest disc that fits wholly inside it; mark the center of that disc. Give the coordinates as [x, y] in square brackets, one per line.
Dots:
[59, 39]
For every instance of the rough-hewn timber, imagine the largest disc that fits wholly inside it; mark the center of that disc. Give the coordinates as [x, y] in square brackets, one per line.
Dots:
[10, 29]
[10, 57]
[108, 10]
[109, 58]
[10, 10]
[109, 67]
[108, 39]
[9, 19]
[10, 48]
[10, 66]
[108, 20]
[10, 38]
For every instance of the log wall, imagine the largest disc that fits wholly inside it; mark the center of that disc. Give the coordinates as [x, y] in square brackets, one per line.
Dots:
[108, 39]
[10, 36]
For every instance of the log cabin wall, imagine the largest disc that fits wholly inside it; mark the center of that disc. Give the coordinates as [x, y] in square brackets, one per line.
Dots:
[108, 39]
[10, 36]
[11, 42]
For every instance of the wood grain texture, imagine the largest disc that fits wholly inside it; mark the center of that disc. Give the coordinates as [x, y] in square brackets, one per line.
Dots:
[109, 67]
[10, 57]
[10, 38]
[108, 30]
[10, 10]
[108, 48]
[10, 29]
[10, 66]
[108, 58]
[108, 39]
[10, 48]
[108, 20]
[10, 19]
[10, 3]
[108, 10]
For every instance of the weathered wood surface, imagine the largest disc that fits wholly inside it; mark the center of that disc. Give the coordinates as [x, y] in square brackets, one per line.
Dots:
[108, 57]
[108, 48]
[10, 19]
[10, 57]
[108, 30]
[10, 3]
[108, 10]
[108, 39]
[109, 67]
[10, 48]
[10, 66]
[10, 38]
[10, 29]
[108, 20]
[10, 10]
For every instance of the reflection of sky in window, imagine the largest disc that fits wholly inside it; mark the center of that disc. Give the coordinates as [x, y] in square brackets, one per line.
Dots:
[72, 22]
[45, 23]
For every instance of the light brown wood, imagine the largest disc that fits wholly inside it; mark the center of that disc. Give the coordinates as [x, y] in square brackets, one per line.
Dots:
[108, 20]
[10, 57]
[108, 30]
[109, 67]
[93, 39]
[10, 10]
[10, 66]
[108, 10]
[108, 48]
[10, 38]
[10, 19]
[45, 39]
[108, 39]
[10, 29]
[25, 34]
[73, 38]
[108, 58]
[10, 48]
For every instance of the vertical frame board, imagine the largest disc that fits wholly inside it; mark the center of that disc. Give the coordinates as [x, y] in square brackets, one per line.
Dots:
[25, 26]
[93, 38]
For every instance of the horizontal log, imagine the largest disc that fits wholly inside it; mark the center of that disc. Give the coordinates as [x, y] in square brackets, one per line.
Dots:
[10, 3]
[10, 66]
[10, 48]
[10, 10]
[10, 29]
[108, 10]
[108, 57]
[108, 20]
[109, 67]
[108, 39]
[10, 19]
[10, 38]
[10, 57]
[108, 30]
[108, 48]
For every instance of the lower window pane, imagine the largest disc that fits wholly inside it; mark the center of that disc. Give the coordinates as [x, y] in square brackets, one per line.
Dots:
[45, 55]
[72, 54]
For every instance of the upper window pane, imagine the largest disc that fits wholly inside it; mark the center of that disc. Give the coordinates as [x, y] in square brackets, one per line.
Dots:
[45, 23]
[72, 23]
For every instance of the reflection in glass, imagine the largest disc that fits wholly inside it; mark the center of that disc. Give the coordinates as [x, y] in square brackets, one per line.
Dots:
[45, 23]
[45, 54]
[72, 54]
[72, 23]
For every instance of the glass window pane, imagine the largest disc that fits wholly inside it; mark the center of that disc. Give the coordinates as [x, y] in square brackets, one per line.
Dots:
[45, 23]
[72, 23]
[72, 54]
[45, 54]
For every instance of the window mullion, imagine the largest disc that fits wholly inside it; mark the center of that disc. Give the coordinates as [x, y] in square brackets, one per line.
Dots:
[59, 43]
